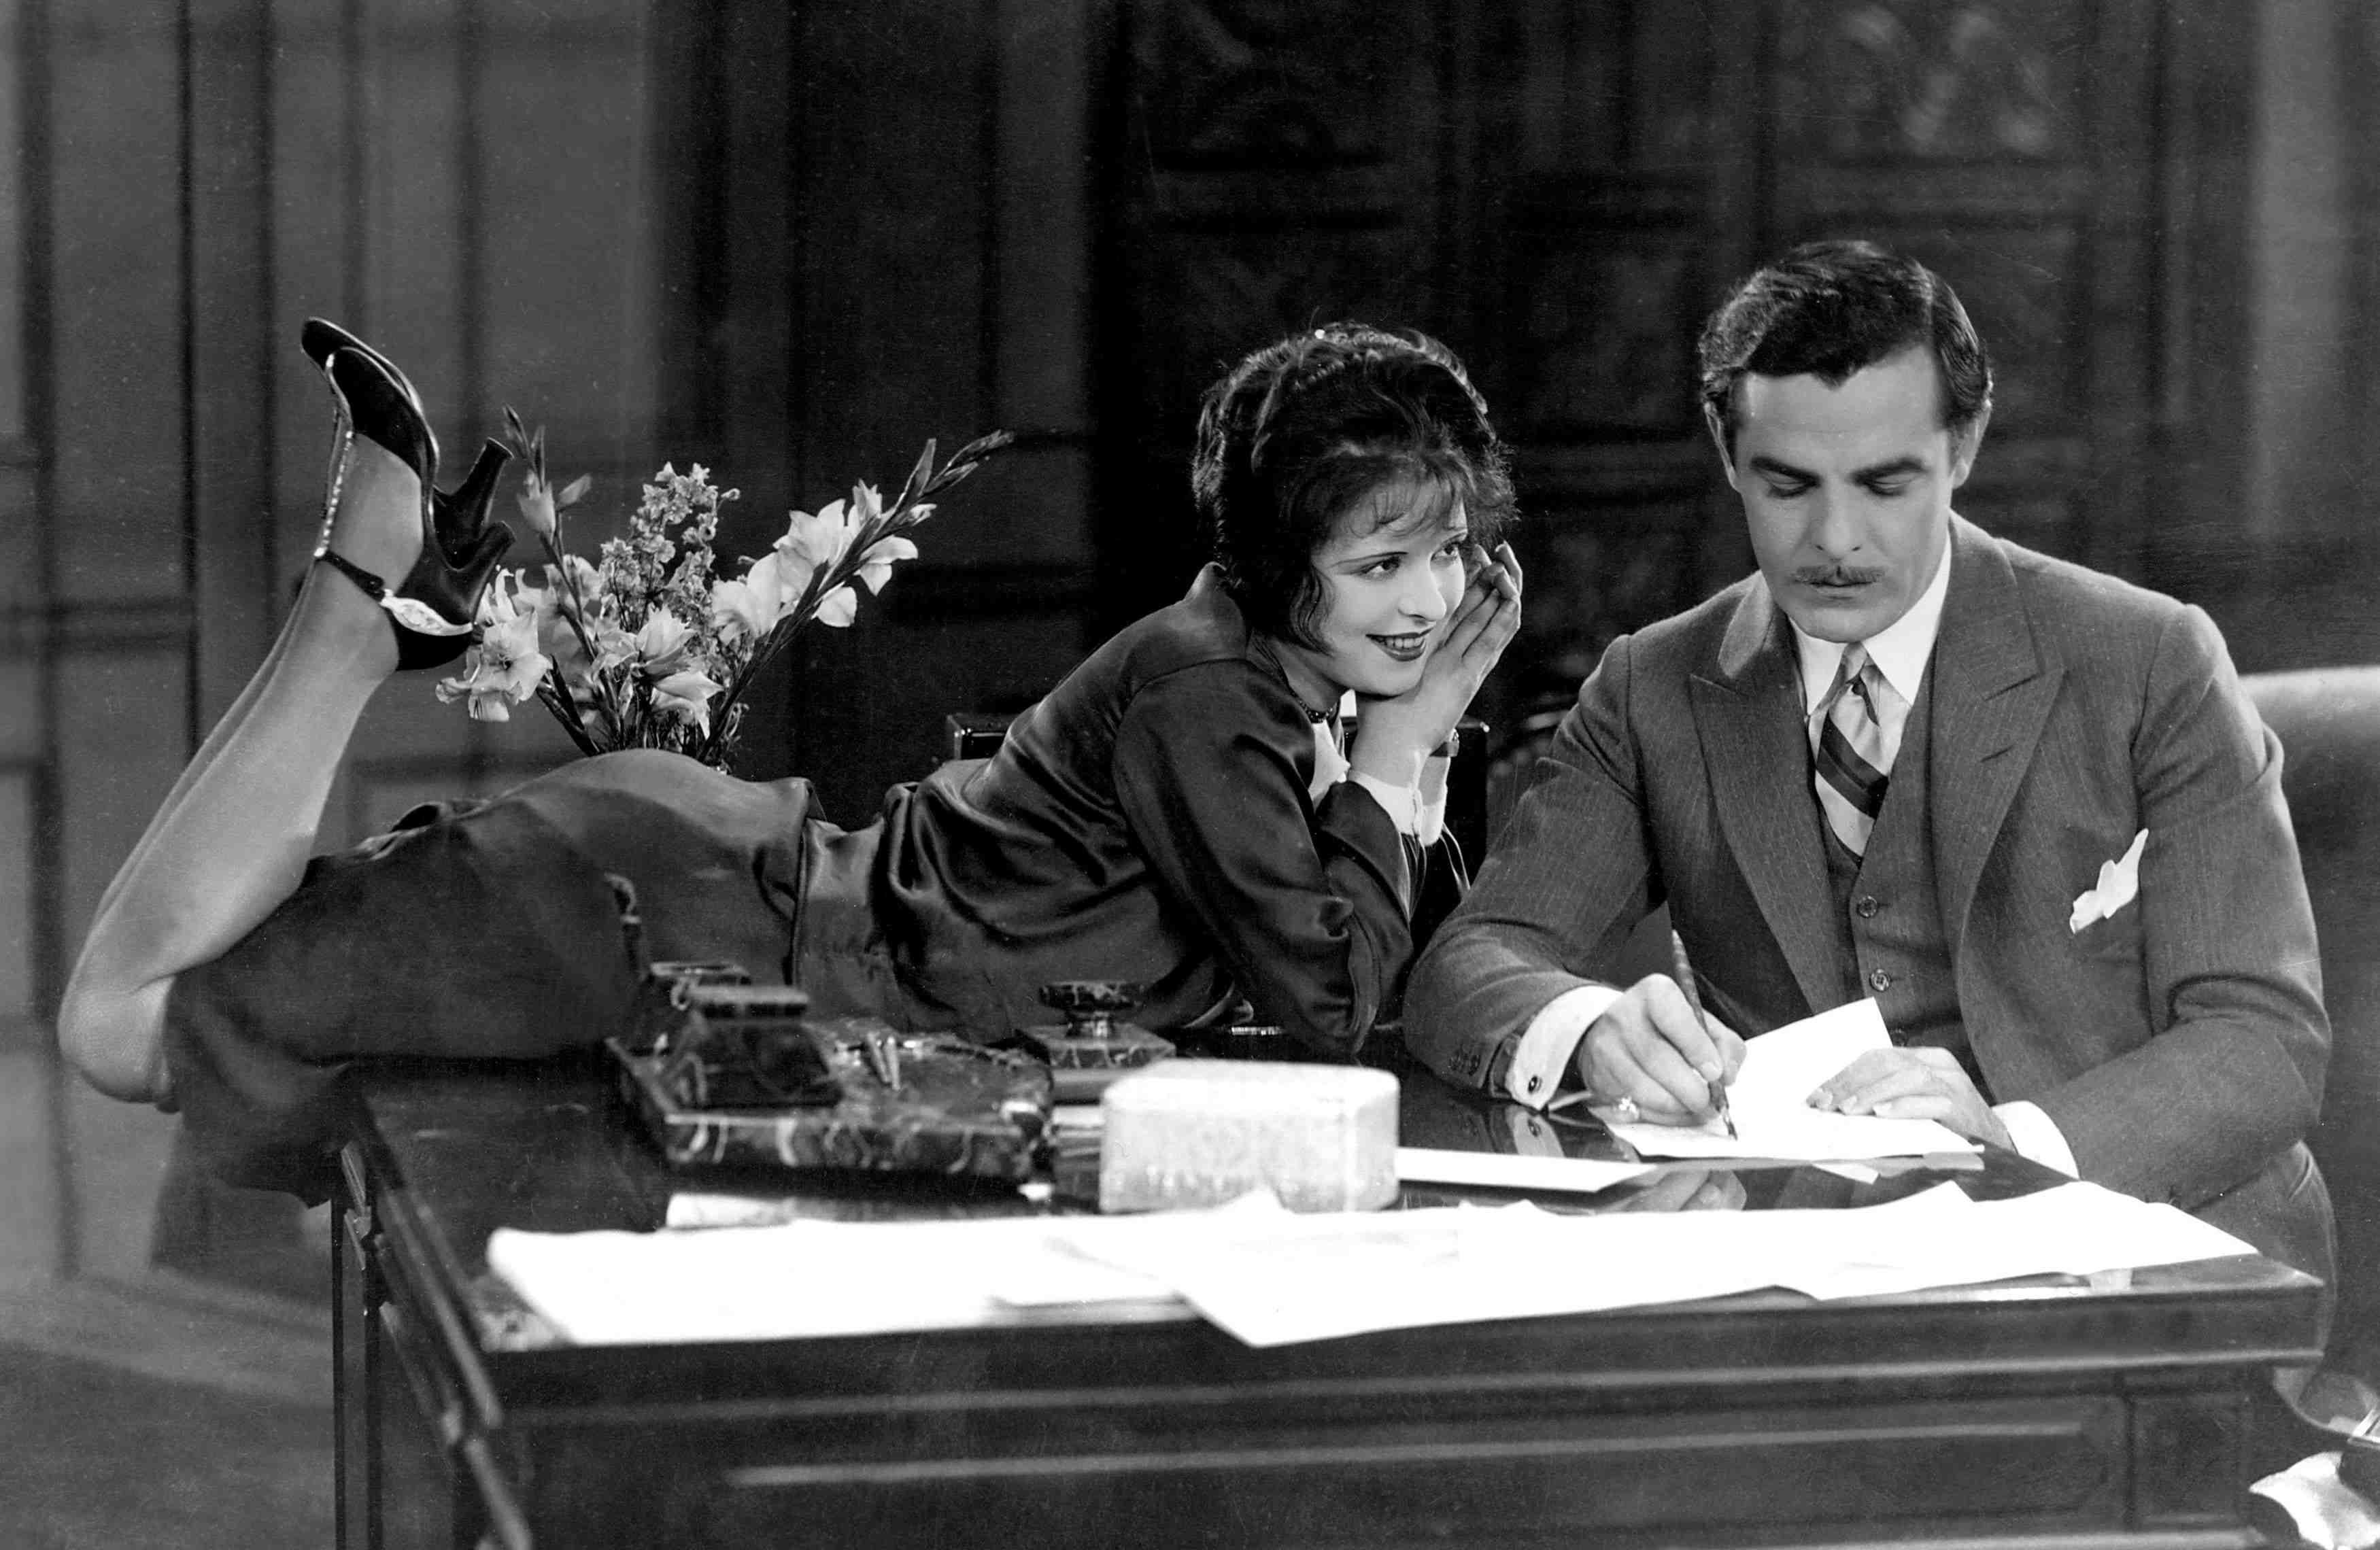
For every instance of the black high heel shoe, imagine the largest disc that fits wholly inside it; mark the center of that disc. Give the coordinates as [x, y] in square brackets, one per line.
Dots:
[456, 524]
[321, 339]
[432, 610]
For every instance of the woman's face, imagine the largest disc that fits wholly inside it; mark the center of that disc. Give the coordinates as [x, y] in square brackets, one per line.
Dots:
[1388, 590]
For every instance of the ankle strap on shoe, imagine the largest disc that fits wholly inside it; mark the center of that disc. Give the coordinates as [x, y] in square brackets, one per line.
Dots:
[374, 588]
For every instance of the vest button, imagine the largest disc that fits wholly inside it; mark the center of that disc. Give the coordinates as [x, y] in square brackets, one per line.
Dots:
[1878, 981]
[1867, 907]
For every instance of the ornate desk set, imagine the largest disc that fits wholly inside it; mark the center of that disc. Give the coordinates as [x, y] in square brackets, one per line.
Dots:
[723, 1071]
[719, 1070]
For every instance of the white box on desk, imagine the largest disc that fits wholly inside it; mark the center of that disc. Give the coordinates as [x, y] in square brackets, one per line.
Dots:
[1200, 1133]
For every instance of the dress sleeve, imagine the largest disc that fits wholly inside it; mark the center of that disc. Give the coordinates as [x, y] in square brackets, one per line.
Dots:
[1569, 877]
[1309, 904]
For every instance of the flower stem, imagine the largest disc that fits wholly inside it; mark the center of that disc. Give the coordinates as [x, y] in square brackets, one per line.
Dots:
[546, 695]
[923, 480]
[577, 614]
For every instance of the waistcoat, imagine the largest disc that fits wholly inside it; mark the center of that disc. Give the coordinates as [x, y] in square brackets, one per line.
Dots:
[1888, 938]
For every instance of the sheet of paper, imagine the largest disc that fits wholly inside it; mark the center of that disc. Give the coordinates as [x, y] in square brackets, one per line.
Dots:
[1505, 1170]
[1857, 1173]
[801, 1277]
[1460, 1265]
[1769, 1100]
[2074, 1229]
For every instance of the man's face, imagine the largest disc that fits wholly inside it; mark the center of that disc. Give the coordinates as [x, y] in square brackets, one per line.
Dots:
[1847, 489]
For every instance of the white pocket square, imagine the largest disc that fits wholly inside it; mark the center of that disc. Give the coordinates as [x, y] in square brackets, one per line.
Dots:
[2118, 885]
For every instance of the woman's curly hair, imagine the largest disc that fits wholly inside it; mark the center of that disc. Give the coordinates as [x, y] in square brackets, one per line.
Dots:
[1298, 436]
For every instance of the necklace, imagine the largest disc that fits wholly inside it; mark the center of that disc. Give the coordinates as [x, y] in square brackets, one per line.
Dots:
[1329, 713]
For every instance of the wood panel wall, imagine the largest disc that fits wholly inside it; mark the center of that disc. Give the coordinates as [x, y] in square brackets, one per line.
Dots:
[893, 205]
[468, 183]
[1657, 154]
[1563, 192]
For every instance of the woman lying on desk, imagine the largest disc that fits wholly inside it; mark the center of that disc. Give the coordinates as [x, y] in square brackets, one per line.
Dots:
[1176, 812]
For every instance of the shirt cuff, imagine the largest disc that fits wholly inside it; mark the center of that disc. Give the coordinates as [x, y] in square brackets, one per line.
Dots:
[1402, 804]
[1552, 1038]
[2036, 1136]
[1430, 822]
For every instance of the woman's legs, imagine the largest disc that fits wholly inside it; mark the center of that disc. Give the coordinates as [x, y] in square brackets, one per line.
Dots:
[231, 839]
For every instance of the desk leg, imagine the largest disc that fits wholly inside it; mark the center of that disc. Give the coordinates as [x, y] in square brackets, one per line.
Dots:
[355, 1375]
[342, 1392]
[368, 1340]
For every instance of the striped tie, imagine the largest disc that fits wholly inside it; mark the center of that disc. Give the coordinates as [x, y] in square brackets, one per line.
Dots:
[1851, 749]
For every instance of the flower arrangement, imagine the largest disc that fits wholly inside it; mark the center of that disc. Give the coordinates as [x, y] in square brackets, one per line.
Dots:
[648, 647]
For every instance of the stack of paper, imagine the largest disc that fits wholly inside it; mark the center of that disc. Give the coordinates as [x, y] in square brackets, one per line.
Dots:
[1269, 1276]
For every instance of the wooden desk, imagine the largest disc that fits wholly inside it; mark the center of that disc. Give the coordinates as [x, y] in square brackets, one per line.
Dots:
[2034, 1413]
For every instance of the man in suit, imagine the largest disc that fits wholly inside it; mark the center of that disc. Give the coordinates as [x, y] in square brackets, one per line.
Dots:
[1890, 763]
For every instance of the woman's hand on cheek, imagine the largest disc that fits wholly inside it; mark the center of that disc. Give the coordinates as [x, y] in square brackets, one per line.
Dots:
[1497, 584]
[1483, 624]
[1395, 736]
[1500, 572]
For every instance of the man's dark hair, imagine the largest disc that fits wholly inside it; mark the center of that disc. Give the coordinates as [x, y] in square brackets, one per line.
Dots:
[1829, 309]
[1302, 432]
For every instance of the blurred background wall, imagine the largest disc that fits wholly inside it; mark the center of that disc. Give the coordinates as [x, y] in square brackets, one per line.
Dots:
[793, 241]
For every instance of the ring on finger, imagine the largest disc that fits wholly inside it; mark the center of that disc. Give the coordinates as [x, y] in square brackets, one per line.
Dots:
[1624, 1109]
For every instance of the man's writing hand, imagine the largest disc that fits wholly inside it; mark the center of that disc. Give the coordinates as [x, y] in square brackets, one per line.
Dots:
[1913, 1083]
[1650, 1046]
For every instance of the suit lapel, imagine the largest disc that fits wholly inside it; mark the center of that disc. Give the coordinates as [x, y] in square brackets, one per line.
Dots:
[1748, 716]
[1992, 693]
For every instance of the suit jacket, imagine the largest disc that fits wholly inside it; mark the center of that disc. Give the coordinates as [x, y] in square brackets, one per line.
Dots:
[2179, 1045]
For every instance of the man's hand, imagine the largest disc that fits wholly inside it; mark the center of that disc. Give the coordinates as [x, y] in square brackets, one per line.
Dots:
[1649, 1048]
[1913, 1083]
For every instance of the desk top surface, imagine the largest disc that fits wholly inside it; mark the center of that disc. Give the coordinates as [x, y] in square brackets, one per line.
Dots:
[446, 1155]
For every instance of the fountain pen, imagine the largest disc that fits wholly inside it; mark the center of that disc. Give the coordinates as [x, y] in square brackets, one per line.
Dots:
[1684, 972]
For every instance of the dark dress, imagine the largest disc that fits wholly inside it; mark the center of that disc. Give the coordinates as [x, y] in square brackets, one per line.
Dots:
[1149, 820]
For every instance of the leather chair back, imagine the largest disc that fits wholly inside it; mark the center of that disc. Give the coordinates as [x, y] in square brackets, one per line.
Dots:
[2328, 722]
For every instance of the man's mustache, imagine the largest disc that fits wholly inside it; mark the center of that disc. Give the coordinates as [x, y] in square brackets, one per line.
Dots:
[1837, 576]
